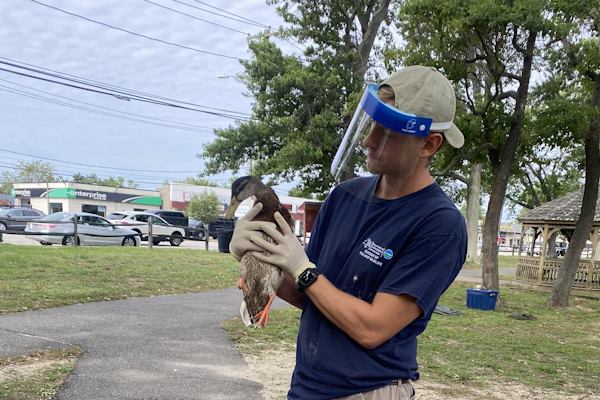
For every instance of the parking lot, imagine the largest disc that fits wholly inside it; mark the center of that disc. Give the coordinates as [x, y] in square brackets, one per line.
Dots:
[187, 244]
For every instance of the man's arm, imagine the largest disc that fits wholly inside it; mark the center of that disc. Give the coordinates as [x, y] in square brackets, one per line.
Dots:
[288, 291]
[369, 324]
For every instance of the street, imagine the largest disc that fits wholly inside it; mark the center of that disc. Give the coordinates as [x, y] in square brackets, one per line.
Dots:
[187, 244]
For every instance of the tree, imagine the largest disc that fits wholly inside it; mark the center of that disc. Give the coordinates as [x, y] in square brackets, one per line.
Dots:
[583, 65]
[551, 157]
[488, 49]
[204, 207]
[199, 181]
[33, 171]
[92, 179]
[301, 106]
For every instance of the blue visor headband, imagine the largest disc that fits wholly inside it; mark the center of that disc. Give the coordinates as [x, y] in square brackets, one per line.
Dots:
[392, 118]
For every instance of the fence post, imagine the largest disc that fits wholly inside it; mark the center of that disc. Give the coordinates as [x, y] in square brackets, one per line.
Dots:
[150, 241]
[75, 230]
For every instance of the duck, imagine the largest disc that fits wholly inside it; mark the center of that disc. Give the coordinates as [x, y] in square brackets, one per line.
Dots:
[258, 280]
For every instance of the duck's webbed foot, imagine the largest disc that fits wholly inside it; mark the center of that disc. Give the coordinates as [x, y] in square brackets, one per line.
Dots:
[263, 315]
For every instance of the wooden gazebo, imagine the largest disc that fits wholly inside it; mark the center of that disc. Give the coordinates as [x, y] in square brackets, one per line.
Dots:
[557, 216]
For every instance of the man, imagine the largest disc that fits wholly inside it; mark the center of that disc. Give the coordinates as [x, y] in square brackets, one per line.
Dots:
[383, 250]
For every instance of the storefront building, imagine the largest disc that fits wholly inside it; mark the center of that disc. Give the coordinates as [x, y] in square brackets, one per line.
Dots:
[176, 196]
[79, 197]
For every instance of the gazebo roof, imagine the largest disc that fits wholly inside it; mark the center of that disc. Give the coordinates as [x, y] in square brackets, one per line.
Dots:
[563, 209]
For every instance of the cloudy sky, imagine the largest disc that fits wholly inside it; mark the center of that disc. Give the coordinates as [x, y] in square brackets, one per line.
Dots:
[40, 37]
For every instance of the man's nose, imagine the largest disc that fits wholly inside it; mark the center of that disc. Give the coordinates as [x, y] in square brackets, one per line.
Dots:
[373, 139]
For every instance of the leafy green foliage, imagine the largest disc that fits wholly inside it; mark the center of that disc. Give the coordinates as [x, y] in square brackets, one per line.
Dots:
[92, 179]
[27, 172]
[204, 207]
[302, 106]
[199, 180]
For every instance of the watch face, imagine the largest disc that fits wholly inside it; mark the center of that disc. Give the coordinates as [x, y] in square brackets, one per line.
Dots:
[306, 274]
[307, 277]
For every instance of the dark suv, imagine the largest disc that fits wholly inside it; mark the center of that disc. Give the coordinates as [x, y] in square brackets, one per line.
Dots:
[15, 219]
[221, 223]
[173, 217]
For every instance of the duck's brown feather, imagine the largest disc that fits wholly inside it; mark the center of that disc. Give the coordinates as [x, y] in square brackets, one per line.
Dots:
[263, 279]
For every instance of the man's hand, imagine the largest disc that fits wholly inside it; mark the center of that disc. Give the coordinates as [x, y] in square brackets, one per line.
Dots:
[244, 229]
[287, 253]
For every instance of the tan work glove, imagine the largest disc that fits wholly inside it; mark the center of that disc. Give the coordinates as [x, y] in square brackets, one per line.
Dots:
[287, 253]
[244, 228]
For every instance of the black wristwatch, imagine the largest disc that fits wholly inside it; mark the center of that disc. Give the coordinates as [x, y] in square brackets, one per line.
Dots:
[307, 278]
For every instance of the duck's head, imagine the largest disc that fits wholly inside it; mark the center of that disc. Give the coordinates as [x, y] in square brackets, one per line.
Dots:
[242, 189]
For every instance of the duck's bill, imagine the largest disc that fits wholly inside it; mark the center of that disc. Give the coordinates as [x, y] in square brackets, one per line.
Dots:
[233, 206]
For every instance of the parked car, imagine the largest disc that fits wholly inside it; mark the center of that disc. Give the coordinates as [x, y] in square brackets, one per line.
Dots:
[58, 228]
[195, 230]
[15, 219]
[162, 231]
[117, 215]
[221, 223]
[561, 248]
[176, 218]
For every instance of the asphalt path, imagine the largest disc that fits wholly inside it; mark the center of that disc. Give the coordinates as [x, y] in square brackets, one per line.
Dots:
[156, 348]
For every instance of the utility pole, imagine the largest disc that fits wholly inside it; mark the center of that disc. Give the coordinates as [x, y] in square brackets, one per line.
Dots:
[47, 196]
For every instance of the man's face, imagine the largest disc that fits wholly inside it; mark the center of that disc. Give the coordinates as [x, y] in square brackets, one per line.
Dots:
[391, 153]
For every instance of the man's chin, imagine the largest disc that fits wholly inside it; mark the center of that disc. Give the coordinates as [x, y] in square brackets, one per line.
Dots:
[373, 166]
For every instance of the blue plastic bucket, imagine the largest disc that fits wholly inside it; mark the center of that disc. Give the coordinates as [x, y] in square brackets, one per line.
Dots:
[482, 299]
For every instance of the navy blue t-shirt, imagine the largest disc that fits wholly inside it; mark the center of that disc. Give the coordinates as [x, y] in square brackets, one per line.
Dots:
[413, 245]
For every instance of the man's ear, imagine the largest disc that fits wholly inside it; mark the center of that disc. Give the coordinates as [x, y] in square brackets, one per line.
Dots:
[432, 144]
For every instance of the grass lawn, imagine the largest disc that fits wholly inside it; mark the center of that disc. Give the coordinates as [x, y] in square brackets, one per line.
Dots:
[503, 262]
[558, 351]
[33, 277]
[36, 376]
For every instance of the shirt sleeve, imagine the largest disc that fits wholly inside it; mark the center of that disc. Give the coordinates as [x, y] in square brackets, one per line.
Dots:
[312, 249]
[431, 261]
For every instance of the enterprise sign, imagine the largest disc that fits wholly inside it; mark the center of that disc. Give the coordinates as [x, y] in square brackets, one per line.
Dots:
[72, 193]
[84, 194]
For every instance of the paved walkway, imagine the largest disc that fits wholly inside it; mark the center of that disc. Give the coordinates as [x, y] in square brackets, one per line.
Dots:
[157, 348]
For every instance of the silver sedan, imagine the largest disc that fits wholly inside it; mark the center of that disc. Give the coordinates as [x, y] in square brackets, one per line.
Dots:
[58, 228]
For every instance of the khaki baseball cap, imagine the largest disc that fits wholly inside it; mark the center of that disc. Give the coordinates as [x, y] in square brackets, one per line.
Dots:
[424, 91]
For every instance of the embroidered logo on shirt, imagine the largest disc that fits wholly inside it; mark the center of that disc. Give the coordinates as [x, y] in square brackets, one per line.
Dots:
[373, 252]
[388, 254]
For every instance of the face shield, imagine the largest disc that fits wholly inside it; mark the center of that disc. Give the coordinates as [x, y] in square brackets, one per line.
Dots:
[372, 113]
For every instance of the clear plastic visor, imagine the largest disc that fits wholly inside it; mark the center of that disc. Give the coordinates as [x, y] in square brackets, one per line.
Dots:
[381, 119]
[351, 155]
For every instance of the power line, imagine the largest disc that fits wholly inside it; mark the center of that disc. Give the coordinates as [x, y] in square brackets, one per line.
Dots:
[227, 12]
[136, 34]
[197, 18]
[249, 21]
[239, 17]
[102, 85]
[87, 171]
[95, 166]
[120, 96]
[72, 175]
[171, 124]
[34, 96]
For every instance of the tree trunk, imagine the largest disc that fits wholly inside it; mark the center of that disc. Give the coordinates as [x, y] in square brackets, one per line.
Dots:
[489, 249]
[473, 207]
[566, 273]
[551, 248]
[207, 238]
[368, 39]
